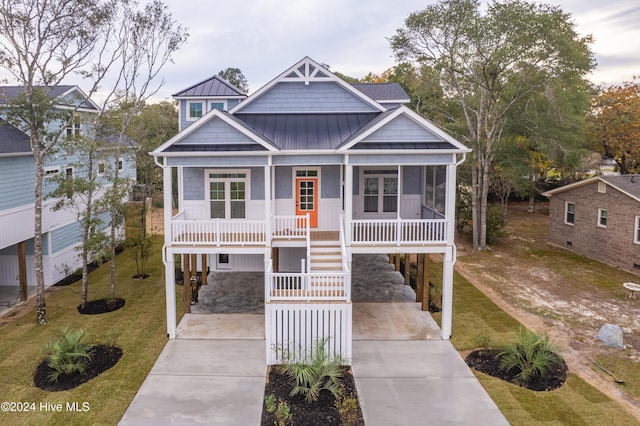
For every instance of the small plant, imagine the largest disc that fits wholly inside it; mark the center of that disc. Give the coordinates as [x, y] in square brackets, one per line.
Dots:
[532, 356]
[347, 406]
[318, 372]
[67, 354]
[281, 411]
[482, 341]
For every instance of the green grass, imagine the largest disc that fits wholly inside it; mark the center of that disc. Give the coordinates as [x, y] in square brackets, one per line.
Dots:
[139, 329]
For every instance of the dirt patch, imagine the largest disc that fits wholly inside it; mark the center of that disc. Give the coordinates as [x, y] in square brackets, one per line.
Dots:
[550, 289]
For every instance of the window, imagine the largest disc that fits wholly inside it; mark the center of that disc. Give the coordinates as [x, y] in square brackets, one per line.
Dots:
[194, 110]
[120, 165]
[228, 194]
[68, 171]
[102, 168]
[636, 233]
[74, 127]
[570, 213]
[435, 188]
[217, 105]
[380, 191]
[51, 171]
[602, 218]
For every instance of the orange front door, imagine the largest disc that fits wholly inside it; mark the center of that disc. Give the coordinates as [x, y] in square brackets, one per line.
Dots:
[307, 199]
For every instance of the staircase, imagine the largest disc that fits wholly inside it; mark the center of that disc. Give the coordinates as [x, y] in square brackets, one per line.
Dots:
[325, 256]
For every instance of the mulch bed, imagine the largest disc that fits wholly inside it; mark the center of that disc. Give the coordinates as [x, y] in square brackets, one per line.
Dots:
[485, 361]
[101, 306]
[104, 357]
[317, 413]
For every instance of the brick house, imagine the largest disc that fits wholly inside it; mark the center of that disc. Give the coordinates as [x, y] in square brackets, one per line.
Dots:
[600, 218]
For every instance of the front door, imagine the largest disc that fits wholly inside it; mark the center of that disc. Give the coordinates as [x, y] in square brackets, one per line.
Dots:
[307, 199]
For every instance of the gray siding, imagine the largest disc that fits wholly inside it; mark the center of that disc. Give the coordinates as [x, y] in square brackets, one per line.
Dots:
[65, 237]
[330, 182]
[215, 132]
[193, 179]
[284, 183]
[402, 129]
[16, 182]
[413, 159]
[308, 160]
[315, 97]
[257, 183]
[29, 247]
[222, 161]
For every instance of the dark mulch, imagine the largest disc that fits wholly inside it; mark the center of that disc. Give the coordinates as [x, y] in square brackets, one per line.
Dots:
[104, 357]
[141, 276]
[101, 306]
[485, 361]
[318, 413]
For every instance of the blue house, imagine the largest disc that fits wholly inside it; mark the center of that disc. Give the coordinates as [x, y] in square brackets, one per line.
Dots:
[61, 229]
[295, 179]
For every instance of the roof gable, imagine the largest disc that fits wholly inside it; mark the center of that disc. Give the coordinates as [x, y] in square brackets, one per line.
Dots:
[626, 184]
[212, 87]
[13, 141]
[68, 96]
[307, 72]
[402, 128]
[216, 131]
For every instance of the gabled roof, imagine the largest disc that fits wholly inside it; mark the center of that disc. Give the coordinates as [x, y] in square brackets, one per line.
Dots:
[384, 92]
[627, 184]
[9, 93]
[212, 87]
[179, 143]
[13, 141]
[307, 71]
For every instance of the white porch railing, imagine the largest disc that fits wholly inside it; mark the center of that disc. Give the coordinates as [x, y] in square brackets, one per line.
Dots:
[218, 232]
[290, 227]
[399, 231]
[308, 286]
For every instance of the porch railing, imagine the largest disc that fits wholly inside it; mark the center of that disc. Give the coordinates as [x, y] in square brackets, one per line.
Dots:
[308, 286]
[399, 231]
[218, 232]
[290, 227]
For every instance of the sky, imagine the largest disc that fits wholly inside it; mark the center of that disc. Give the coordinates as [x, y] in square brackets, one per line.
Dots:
[264, 37]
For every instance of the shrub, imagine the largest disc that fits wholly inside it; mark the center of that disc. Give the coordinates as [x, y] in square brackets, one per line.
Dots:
[496, 223]
[67, 354]
[281, 411]
[320, 371]
[347, 406]
[532, 356]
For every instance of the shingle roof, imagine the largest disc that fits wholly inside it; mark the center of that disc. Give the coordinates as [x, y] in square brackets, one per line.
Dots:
[214, 86]
[9, 93]
[627, 183]
[13, 140]
[389, 92]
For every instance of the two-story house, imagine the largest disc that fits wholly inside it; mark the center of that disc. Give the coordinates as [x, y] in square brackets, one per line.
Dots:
[295, 179]
[60, 229]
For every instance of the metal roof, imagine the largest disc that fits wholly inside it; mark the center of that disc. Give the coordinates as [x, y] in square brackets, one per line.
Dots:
[216, 148]
[215, 86]
[306, 131]
[13, 140]
[383, 92]
[403, 145]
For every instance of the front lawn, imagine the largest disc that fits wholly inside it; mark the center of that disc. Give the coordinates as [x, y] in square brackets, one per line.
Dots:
[139, 329]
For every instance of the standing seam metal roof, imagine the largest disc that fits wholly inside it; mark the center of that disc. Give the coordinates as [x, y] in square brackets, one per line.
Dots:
[214, 86]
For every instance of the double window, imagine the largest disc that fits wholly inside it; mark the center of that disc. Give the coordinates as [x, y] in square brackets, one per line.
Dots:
[380, 191]
[228, 194]
[196, 109]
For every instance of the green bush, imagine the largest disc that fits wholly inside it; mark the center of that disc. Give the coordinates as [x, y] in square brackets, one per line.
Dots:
[496, 223]
[280, 410]
[532, 356]
[67, 354]
[320, 371]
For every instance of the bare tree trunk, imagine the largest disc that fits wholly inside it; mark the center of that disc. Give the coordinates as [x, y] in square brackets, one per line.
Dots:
[41, 309]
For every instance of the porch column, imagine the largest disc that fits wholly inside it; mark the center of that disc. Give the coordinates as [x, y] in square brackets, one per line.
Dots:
[267, 203]
[450, 206]
[447, 291]
[169, 265]
[348, 198]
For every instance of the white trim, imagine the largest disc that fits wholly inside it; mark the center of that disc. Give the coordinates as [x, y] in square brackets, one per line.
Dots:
[600, 217]
[636, 231]
[566, 212]
[50, 171]
[203, 105]
[217, 101]
[247, 189]
[307, 78]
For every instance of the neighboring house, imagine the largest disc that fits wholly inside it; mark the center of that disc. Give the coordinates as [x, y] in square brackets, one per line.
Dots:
[599, 217]
[294, 180]
[60, 229]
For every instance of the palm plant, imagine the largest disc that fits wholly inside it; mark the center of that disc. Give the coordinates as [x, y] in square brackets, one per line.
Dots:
[319, 371]
[67, 354]
[532, 356]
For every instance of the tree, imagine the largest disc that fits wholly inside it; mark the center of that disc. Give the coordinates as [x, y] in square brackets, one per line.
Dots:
[41, 44]
[147, 39]
[614, 124]
[79, 192]
[235, 77]
[489, 63]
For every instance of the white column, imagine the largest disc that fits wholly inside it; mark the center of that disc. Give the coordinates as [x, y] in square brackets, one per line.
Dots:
[398, 204]
[267, 202]
[348, 198]
[447, 292]
[169, 266]
[450, 206]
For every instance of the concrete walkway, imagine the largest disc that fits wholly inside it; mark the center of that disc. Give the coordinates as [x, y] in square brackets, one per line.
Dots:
[214, 371]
